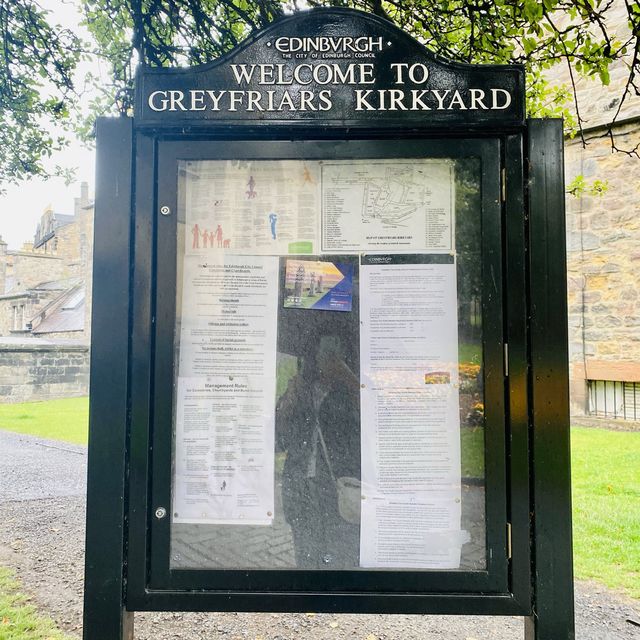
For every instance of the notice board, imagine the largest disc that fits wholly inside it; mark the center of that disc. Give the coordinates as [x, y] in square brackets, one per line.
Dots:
[329, 370]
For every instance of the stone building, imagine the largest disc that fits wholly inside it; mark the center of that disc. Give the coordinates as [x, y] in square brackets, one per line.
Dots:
[603, 249]
[45, 302]
[44, 285]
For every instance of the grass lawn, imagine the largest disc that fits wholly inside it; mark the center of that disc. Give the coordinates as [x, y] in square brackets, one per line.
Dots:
[606, 507]
[606, 502]
[472, 452]
[18, 619]
[66, 419]
[470, 352]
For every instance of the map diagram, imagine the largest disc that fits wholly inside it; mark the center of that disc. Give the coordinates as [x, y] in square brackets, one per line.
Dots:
[393, 198]
[392, 205]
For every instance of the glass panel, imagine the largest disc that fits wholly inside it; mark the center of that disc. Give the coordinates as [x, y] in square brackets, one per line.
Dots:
[328, 400]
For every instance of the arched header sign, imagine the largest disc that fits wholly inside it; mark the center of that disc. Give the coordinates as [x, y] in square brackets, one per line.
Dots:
[335, 66]
[327, 369]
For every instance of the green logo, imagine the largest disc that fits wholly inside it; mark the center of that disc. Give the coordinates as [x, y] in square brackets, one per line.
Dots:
[305, 246]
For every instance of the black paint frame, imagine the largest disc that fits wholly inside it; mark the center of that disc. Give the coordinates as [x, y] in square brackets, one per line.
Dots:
[123, 352]
[494, 579]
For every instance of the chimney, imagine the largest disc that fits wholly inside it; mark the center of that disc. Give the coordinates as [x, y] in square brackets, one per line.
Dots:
[80, 203]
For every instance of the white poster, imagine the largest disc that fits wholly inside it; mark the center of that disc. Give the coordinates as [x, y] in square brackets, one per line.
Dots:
[225, 400]
[251, 207]
[410, 426]
[392, 206]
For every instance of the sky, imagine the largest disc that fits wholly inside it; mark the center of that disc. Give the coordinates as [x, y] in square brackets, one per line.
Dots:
[23, 204]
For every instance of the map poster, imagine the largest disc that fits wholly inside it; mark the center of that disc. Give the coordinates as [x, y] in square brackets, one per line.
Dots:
[256, 207]
[394, 206]
[321, 284]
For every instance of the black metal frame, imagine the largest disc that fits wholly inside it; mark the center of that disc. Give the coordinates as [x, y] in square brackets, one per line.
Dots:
[548, 385]
[526, 402]
[107, 488]
[494, 580]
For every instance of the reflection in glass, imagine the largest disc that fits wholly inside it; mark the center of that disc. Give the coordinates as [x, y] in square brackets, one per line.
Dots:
[316, 521]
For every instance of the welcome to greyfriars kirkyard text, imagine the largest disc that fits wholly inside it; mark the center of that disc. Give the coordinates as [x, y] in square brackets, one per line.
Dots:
[280, 87]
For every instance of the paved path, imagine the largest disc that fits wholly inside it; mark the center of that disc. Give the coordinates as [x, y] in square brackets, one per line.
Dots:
[33, 468]
[41, 536]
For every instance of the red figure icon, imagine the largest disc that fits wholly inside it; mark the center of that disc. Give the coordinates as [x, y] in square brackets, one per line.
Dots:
[196, 236]
[307, 177]
[218, 235]
[205, 238]
[251, 192]
[227, 243]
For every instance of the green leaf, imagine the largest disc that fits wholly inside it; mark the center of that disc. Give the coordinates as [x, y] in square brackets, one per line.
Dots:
[604, 75]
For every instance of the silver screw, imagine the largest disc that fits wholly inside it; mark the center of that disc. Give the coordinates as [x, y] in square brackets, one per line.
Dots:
[165, 211]
[161, 512]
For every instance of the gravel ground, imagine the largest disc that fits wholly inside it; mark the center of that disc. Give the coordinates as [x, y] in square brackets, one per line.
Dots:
[41, 536]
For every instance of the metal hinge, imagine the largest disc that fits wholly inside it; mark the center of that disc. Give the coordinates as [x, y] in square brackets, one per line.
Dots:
[508, 541]
[506, 360]
[503, 186]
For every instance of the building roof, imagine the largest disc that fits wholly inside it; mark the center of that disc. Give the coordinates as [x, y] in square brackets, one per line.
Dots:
[57, 220]
[57, 285]
[50, 285]
[65, 313]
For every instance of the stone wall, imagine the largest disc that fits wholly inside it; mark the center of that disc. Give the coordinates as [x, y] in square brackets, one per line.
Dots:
[74, 241]
[29, 269]
[65, 255]
[603, 263]
[87, 229]
[33, 301]
[3, 266]
[36, 369]
[603, 232]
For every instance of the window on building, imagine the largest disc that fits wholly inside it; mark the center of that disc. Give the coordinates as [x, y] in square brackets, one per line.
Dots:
[18, 317]
[614, 399]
